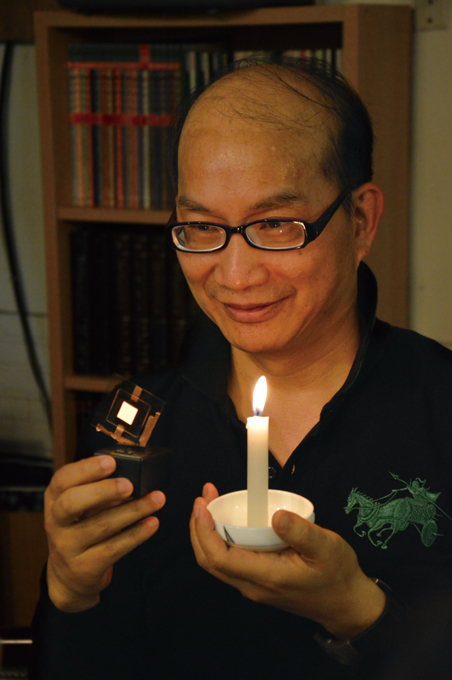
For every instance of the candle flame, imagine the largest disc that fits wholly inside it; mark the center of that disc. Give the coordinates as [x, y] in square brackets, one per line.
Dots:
[259, 396]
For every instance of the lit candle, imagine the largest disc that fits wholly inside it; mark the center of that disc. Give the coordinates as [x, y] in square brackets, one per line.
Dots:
[257, 427]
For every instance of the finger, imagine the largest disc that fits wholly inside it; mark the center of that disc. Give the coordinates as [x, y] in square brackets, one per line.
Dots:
[308, 539]
[209, 492]
[100, 557]
[114, 522]
[78, 501]
[81, 472]
[213, 559]
[232, 565]
[203, 533]
[193, 532]
[248, 571]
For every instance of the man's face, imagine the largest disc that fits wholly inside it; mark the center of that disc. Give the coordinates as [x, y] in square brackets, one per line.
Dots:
[234, 171]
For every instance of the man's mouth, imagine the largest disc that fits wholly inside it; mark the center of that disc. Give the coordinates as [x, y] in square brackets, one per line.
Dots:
[252, 305]
[251, 312]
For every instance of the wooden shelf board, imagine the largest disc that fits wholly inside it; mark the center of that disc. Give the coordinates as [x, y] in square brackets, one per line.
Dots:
[116, 215]
[92, 383]
[270, 15]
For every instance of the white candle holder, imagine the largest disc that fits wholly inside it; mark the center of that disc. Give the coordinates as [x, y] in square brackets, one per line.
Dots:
[230, 514]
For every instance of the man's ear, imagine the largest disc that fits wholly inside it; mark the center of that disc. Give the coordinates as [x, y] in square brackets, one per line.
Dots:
[368, 204]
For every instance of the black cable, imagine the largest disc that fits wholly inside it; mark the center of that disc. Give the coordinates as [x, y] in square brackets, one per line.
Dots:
[6, 217]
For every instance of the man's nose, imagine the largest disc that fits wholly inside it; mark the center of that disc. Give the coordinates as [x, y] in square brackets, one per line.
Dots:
[240, 266]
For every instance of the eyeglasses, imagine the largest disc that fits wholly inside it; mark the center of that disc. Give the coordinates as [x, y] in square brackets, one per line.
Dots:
[272, 234]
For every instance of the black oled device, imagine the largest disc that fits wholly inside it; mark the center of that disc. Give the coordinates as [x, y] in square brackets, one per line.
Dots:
[148, 468]
[129, 416]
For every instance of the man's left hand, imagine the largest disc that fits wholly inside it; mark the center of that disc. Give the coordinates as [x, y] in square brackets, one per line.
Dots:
[318, 576]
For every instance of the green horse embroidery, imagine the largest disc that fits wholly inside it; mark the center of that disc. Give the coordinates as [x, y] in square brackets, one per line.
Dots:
[396, 514]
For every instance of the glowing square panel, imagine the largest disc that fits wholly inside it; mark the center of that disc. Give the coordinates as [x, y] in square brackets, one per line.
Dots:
[127, 413]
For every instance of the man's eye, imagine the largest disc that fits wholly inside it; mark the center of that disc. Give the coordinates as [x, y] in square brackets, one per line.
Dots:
[277, 234]
[272, 225]
[204, 227]
[199, 236]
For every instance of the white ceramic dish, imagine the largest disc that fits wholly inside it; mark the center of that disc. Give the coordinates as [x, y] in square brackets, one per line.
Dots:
[230, 516]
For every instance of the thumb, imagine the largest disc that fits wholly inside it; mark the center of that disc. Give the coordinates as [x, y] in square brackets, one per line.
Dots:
[303, 536]
[209, 492]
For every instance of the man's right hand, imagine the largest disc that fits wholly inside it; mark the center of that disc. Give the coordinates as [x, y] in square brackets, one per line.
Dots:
[86, 519]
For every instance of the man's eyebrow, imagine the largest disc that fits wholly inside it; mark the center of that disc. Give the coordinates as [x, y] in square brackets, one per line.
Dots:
[187, 202]
[279, 198]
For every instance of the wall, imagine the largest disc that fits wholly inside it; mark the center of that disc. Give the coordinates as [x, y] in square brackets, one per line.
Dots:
[431, 195]
[431, 250]
[23, 426]
[22, 421]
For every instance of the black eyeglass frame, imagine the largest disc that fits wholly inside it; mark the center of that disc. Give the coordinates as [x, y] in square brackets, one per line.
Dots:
[311, 229]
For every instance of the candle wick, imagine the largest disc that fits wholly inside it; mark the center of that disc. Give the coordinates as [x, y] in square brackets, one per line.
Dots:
[258, 411]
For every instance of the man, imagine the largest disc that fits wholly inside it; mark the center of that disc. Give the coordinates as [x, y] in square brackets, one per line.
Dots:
[286, 152]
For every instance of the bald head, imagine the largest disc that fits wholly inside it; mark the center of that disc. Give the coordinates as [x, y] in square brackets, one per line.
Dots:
[252, 102]
[270, 96]
[247, 123]
[305, 98]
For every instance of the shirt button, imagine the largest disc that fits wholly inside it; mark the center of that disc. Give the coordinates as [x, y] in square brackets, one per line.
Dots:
[271, 473]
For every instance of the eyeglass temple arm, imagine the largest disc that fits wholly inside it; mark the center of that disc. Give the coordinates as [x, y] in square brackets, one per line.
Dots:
[314, 229]
[172, 219]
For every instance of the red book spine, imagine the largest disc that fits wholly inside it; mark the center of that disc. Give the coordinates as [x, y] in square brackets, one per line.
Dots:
[78, 130]
[126, 136]
[89, 141]
[134, 195]
[119, 157]
[107, 189]
[145, 143]
[111, 140]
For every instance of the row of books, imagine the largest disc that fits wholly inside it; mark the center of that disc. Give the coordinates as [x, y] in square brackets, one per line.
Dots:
[131, 303]
[122, 101]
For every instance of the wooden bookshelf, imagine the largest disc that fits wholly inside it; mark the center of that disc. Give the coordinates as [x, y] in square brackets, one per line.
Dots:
[23, 553]
[376, 44]
[113, 215]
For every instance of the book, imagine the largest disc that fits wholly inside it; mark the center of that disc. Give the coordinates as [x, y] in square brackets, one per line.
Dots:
[101, 300]
[122, 102]
[131, 303]
[80, 247]
[178, 305]
[122, 314]
[92, 300]
[159, 295]
[141, 302]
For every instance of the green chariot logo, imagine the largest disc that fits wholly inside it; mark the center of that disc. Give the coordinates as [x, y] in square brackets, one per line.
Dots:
[393, 514]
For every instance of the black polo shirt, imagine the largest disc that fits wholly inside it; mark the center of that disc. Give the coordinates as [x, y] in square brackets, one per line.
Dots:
[377, 467]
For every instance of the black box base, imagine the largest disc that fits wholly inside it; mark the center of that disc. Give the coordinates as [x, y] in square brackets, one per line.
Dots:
[148, 468]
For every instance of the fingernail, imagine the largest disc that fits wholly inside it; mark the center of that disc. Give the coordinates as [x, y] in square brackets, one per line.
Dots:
[151, 522]
[283, 521]
[157, 497]
[124, 487]
[107, 463]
